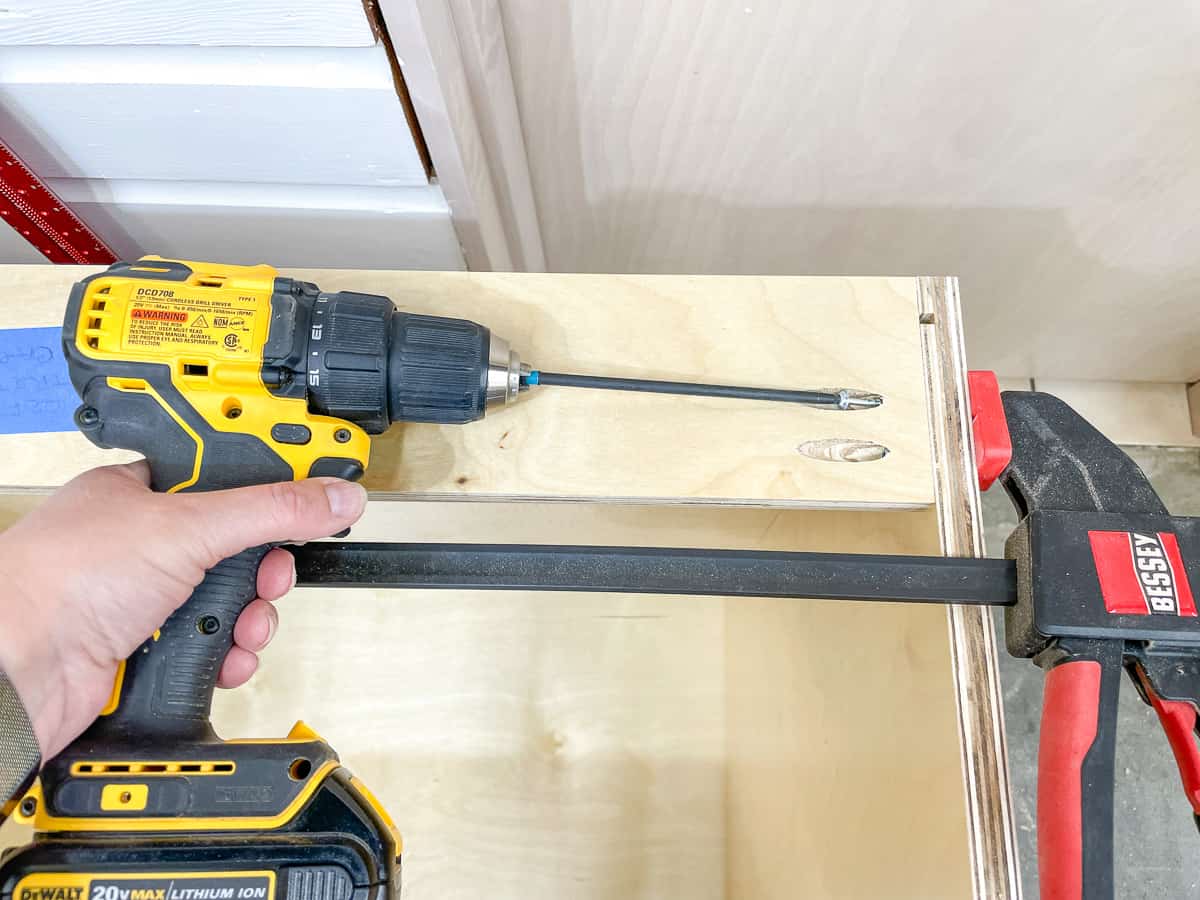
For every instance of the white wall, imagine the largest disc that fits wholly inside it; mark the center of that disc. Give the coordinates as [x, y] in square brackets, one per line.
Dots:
[293, 155]
[1048, 153]
[270, 23]
[15, 249]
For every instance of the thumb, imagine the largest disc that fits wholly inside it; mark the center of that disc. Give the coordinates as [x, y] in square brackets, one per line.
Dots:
[227, 522]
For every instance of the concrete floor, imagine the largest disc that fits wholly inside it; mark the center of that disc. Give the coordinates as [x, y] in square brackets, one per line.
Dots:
[1157, 848]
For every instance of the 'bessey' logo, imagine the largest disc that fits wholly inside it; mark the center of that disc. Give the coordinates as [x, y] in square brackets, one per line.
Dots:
[1142, 573]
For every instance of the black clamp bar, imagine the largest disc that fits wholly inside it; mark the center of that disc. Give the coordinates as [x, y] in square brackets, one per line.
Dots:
[657, 570]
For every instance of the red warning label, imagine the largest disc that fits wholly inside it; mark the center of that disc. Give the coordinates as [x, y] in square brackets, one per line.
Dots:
[160, 315]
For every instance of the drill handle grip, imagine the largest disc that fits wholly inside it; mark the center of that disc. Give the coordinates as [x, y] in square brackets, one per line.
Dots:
[166, 686]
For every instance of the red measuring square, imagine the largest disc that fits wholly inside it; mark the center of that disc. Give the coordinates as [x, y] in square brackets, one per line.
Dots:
[43, 220]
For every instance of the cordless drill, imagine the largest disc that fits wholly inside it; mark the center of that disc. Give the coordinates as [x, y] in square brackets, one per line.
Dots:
[223, 376]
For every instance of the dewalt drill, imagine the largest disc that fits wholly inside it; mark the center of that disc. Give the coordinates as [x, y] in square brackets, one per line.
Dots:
[225, 376]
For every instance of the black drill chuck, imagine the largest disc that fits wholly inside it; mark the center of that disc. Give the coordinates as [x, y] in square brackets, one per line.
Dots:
[356, 357]
[437, 369]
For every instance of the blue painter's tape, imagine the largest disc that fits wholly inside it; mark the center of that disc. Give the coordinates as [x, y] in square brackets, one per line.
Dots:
[35, 392]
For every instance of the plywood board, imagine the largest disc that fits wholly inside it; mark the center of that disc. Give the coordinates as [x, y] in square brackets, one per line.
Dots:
[283, 23]
[992, 830]
[604, 746]
[1130, 412]
[549, 745]
[576, 444]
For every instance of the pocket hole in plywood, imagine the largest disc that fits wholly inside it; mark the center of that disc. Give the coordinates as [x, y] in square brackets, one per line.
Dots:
[843, 450]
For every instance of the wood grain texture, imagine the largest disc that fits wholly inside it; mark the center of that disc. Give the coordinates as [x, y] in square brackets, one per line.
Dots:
[823, 748]
[281, 23]
[973, 653]
[578, 444]
[1037, 152]
[604, 746]
[1130, 412]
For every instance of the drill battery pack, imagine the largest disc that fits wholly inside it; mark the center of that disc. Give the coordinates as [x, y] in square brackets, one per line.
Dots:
[339, 845]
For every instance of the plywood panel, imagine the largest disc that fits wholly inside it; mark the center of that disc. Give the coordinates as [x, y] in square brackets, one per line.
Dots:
[1036, 151]
[286, 115]
[1130, 412]
[611, 746]
[559, 443]
[605, 746]
[282, 23]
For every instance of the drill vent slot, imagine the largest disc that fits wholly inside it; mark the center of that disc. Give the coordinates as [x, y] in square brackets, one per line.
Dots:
[211, 281]
[199, 370]
[96, 316]
[153, 768]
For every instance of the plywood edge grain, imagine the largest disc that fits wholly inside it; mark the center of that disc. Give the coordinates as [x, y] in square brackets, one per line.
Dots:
[992, 833]
[673, 501]
[1193, 396]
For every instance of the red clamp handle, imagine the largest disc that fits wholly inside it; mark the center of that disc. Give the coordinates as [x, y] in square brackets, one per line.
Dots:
[1075, 776]
[993, 446]
[1070, 712]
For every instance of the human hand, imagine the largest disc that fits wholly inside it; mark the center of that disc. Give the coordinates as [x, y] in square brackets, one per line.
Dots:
[99, 566]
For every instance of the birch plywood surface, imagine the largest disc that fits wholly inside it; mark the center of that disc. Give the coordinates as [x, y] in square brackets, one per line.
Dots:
[576, 444]
[611, 746]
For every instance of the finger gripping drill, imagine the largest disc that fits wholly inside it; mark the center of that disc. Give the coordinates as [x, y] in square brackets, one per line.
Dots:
[224, 376]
